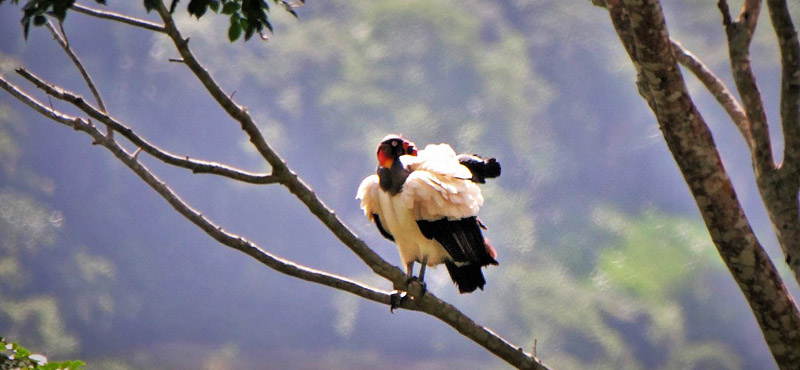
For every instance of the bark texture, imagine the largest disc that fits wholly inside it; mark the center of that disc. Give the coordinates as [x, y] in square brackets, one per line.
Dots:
[642, 29]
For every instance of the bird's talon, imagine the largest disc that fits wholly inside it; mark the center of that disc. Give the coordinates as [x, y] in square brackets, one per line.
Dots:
[396, 299]
[413, 282]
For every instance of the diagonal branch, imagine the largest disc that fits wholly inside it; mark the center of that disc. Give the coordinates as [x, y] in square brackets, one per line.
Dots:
[279, 167]
[428, 302]
[778, 187]
[118, 18]
[790, 84]
[195, 165]
[231, 240]
[717, 89]
[62, 40]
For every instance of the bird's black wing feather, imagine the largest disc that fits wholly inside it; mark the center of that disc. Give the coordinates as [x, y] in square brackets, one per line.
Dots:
[380, 227]
[481, 168]
[462, 239]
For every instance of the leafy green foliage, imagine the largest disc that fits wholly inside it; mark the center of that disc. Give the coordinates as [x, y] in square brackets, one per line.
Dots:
[250, 16]
[14, 356]
[655, 255]
[35, 11]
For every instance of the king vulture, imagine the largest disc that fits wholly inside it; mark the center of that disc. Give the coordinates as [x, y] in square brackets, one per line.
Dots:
[427, 202]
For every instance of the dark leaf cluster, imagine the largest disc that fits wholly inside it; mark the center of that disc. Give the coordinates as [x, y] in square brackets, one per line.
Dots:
[35, 11]
[246, 16]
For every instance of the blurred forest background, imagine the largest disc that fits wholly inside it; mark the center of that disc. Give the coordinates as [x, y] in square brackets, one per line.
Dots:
[604, 260]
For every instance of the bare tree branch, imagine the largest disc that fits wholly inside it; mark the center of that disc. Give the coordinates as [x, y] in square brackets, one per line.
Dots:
[740, 33]
[181, 161]
[717, 89]
[790, 85]
[428, 302]
[281, 173]
[780, 192]
[213, 230]
[119, 18]
[690, 141]
[62, 40]
[778, 186]
[279, 167]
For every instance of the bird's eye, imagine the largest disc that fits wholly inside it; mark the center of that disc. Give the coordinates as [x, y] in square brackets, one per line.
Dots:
[394, 143]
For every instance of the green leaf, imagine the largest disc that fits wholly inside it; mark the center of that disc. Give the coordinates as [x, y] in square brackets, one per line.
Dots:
[198, 7]
[235, 30]
[150, 5]
[21, 352]
[231, 7]
[214, 6]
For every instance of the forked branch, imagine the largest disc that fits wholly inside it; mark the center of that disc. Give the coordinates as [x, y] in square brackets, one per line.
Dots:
[196, 166]
[61, 39]
[740, 34]
[213, 230]
[428, 303]
[281, 173]
[790, 85]
[641, 26]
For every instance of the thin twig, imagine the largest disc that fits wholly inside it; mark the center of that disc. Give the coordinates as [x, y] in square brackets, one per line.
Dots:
[213, 230]
[61, 38]
[118, 17]
[196, 166]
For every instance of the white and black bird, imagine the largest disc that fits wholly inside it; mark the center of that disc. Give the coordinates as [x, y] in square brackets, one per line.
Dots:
[427, 202]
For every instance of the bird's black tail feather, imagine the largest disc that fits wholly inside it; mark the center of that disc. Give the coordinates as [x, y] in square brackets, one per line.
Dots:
[467, 277]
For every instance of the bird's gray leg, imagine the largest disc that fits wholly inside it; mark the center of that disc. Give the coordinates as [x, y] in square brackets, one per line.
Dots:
[424, 264]
[423, 287]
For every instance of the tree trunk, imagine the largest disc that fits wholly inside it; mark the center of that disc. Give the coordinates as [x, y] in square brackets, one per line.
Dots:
[642, 29]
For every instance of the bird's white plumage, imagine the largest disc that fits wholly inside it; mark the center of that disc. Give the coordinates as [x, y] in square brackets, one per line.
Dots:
[438, 187]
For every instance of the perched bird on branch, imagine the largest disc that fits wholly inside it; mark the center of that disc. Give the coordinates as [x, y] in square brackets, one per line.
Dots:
[427, 202]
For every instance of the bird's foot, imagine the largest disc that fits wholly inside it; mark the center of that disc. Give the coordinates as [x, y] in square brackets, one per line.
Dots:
[396, 299]
[414, 289]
